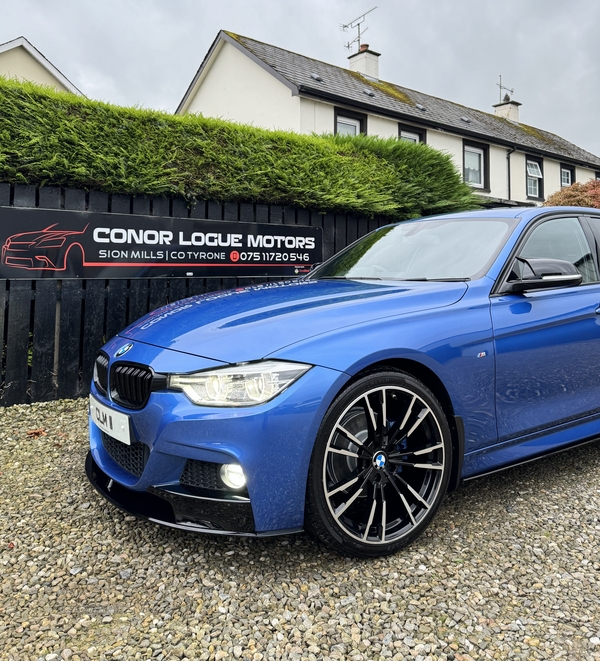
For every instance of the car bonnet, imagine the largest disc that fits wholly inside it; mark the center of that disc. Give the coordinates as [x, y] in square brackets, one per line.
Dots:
[249, 323]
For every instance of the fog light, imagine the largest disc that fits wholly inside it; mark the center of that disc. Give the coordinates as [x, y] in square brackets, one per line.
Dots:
[233, 476]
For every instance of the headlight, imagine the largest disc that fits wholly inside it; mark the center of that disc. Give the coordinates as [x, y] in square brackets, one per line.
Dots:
[242, 385]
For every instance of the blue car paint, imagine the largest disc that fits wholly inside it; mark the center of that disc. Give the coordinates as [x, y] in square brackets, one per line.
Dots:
[473, 343]
[276, 461]
[281, 314]
[438, 339]
[547, 345]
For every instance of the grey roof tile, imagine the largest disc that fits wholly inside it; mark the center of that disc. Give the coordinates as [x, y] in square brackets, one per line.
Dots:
[403, 103]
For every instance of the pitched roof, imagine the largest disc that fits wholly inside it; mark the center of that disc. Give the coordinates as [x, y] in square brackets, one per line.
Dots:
[353, 89]
[43, 61]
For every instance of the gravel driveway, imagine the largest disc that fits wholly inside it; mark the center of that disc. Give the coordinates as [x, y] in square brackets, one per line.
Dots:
[510, 569]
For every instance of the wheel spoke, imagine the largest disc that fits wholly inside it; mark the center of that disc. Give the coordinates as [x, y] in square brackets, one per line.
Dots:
[404, 453]
[439, 446]
[397, 462]
[383, 412]
[371, 413]
[371, 515]
[408, 412]
[402, 498]
[346, 453]
[420, 419]
[344, 506]
[383, 516]
[349, 435]
[343, 487]
[416, 494]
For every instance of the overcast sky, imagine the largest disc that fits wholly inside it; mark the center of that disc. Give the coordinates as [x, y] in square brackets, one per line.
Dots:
[145, 52]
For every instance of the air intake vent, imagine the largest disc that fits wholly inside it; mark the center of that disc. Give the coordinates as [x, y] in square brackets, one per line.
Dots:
[131, 458]
[205, 476]
[101, 373]
[130, 384]
[202, 475]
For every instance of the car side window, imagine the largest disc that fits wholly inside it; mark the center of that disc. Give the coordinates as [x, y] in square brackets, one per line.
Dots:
[562, 238]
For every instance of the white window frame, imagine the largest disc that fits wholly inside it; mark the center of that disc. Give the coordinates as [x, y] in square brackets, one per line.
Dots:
[534, 170]
[534, 175]
[348, 121]
[571, 175]
[565, 177]
[409, 136]
[481, 153]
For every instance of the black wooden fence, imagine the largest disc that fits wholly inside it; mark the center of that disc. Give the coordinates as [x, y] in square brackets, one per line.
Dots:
[51, 330]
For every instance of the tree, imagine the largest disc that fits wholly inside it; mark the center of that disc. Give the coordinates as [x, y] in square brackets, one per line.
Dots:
[577, 195]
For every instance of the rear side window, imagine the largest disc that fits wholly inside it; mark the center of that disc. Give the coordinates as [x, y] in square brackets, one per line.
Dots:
[594, 223]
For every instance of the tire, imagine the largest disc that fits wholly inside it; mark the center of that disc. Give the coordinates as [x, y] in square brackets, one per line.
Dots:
[380, 466]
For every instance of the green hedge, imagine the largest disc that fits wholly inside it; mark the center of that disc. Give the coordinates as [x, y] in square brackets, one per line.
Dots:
[56, 139]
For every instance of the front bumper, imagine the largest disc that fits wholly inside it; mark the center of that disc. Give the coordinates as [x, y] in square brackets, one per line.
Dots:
[272, 442]
[176, 508]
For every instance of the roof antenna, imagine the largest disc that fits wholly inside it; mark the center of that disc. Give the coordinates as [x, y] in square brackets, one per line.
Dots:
[501, 86]
[355, 24]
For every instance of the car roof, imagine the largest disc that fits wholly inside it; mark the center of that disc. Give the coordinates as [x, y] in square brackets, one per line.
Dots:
[525, 213]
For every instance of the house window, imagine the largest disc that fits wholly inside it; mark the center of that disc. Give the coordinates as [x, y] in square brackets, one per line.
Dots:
[349, 123]
[347, 126]
[535, 178]
[475, 165]
[597, 175]
[411, 137]
[567, 175]
[411, 133]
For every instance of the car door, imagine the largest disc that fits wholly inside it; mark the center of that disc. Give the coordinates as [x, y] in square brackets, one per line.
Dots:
[547, 341]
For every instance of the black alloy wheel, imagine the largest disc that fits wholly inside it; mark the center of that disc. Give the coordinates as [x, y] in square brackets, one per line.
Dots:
[380, 467]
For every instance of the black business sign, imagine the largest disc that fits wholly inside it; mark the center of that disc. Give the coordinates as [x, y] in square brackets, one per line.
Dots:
[43, 243]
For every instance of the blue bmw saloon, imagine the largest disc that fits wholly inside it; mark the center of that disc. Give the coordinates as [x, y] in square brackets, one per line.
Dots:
[350, 401]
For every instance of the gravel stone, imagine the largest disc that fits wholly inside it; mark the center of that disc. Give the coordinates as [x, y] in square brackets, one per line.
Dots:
[509, 569]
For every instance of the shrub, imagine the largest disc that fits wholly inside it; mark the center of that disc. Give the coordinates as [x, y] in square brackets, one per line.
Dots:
[577, 195]
[57, 139]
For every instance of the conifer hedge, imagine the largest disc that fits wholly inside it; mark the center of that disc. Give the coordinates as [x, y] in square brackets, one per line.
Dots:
[58, 139]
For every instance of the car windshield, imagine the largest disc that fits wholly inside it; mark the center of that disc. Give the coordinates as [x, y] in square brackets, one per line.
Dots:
[451, 249]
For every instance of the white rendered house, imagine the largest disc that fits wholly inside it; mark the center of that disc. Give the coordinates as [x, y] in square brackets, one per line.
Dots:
[507, 162]
[21, 60]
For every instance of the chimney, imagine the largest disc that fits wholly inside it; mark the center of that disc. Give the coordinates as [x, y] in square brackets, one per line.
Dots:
[365, 62]
[507, 109]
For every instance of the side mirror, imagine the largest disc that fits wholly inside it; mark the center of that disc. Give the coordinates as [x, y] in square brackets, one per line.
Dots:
[543, 273]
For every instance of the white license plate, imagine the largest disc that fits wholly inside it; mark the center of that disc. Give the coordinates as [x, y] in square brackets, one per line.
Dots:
[112, 422]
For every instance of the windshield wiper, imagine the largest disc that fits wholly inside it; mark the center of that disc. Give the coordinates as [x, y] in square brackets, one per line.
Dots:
[437, 279]
[349, 277]
[362, 277]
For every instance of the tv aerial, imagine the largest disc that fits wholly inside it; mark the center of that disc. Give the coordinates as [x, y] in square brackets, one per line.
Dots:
[501, 86]
[355, 23]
